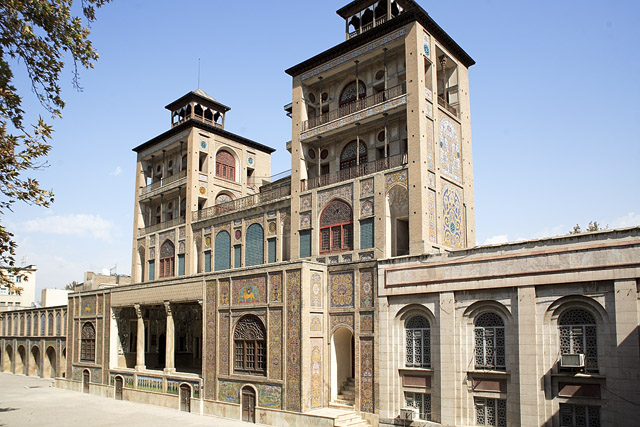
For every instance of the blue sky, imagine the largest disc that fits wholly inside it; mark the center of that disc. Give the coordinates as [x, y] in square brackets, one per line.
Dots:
[556, 135]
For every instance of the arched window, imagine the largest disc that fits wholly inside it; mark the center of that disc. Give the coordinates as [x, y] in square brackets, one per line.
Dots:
[348, 156]
[58, 324]
[336, 227]
[43, 324]
[8, 325]
[250, 345]
[349, 92]
[578, 335]
[489, 341]
[254, 247]
[222, 251]
[418, 344]
[22, 325]
[167, 259]
[29, 329]
[223, 198]
[88, 343]
[50, 327]
[225, 165]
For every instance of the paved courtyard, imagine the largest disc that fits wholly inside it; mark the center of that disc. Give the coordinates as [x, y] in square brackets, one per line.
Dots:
[29, 401]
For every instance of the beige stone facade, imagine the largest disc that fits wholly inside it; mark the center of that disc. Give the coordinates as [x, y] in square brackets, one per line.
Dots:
[346, 294]
[20, 291]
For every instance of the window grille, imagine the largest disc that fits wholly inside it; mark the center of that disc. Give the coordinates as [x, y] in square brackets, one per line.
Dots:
[489, 342]
[579, 416]
[418, 344]
[491, 412]
[250, 346]
[336, 227]
[88, 343]
[422, 401]
[578, 335]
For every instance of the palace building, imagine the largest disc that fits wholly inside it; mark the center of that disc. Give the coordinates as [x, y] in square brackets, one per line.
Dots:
[350, 292]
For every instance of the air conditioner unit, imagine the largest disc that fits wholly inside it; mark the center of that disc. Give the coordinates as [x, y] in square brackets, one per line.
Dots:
[572, 361]
[409, 413]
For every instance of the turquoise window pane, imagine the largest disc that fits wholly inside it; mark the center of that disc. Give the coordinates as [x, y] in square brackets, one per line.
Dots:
[152, 270]
[272, 250]
[222, 251]
[366, 234]
[237, 256]
[181, 265]
[305, 244]
[254, 247]
[207, 261]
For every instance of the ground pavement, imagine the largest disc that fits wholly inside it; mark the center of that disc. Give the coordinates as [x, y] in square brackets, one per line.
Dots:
[33, 402]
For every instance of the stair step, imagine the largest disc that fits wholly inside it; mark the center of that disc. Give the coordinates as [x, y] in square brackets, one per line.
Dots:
[342, 403]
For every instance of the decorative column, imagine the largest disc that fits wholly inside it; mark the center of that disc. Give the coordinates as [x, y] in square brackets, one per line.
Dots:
[443, 64]
[169, 355]
[139, 340]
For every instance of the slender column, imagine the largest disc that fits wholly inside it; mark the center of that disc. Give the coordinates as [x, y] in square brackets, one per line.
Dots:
[526, 397]
[386, 71]
[443, 64]
[386, 136]
[140, 340]
[357, 82]
[320, 121]
[164, 165]
[358, 144]
[169, 357]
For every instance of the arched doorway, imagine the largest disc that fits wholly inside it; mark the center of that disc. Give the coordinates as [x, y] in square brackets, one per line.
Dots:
[34, 362]
[7, 359]
[397, 216]
[118, 386]
[342, 365]
[49, 365]
[22, 355]
[86, 378]
[248, 404]
[185, 398]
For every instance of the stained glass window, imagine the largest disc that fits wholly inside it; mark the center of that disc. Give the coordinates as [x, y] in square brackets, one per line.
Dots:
[418, 344]
[250, 345]
[349, 92]
[336, 227]
[489, 342]
[167, 259]
[348, 156]
[578, 335]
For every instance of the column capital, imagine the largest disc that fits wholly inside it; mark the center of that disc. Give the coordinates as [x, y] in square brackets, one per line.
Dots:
[138, 310]
[167, 308]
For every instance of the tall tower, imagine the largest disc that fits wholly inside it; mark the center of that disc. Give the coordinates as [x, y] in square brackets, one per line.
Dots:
[180, 174]
[382, 122]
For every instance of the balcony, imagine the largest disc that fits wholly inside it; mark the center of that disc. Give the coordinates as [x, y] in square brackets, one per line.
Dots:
[163, 184]
[252, 201]
[355, 106]
[193, 115]
[444, 104]
[161, 226]
[355, 172]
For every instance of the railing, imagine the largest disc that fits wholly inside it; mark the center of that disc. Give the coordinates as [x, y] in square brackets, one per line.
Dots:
[163, 182]
[356, 106]
[161, 226]
[378, 21]
[445, 104]
[243, 203]
[355, 172]
[196, 117]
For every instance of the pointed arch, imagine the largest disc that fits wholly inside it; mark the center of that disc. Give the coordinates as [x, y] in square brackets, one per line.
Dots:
[167, 259]
[336, 227]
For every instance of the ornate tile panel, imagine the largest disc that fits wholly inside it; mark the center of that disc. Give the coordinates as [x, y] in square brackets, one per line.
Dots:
[366, 187]
[426, 41]
[250, 290]
[399, 177]
[269, 396]
[366, 208]
[275, 344]
[229, 391]
[182, 232]
[305, 202]
[210, 311]
[315, 322]
[275, 283]
[88, 306]
[366, 289]
[316, 373]
[431, 150]
[366, 323]
[366, 375]
[272, 228]
[341, 320]
[344, 192]
[272, 214]
[256, 220]
[429, 108]
[224, 344]
[316, 289]
[181, 247]
[341, 288]
[450, 149]
[305, 220]
[431, 206]
[452, 216]
[224, 292]
[167, 235]
[226, 227]
[294, 369]
[431, 179]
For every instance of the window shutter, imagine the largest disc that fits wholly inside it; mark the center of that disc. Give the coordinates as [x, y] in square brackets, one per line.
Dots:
[237, 256]
[181, 265]
[222, 251]
[272, 250]
[254, 248]
[207, 261]
[152, 270]
[305, 243]
[366, 233]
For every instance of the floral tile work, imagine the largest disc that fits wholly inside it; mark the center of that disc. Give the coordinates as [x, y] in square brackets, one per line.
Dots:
[315, 289]
[250, 290]
[452, 216]
[366, 375]
[224, 292]
[211, 339]
[275, 344]
[366, 323]
[224, 343]
[396, 178]
[431, 154]
[305, 220]
[305, 202]
[229, 391]
[269, 396]
[366, 187]
[366, 289]
[315, 322]
[341, 289]
[316, 373]
[450, 149]
[345, 192]
[431, 205]
[294, 369]
[341, 320]
[366, 208]
[275, 281]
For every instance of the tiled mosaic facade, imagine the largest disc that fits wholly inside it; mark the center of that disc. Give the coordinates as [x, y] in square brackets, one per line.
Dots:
[341, 320]
[366, 375]
[450, 158]
[210, 334]
[275, 284]
[316, 373]
[366, 208]
[305, 220]
[341, 289]
[224, 343]
[250, 290]
[366, 187]
[305, 202]
[294, 368]
[270, 396]
[366, 323]
[345, 192]
[399, 177]
[315, 288]
[431, 154]
[275, 344]
[452, 216]
[366, 288]
[224, 292]
[431, 215]
[315, 322]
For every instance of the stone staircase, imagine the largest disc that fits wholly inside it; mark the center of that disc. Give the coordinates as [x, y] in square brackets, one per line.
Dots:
[347, 393]
[350, 419]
